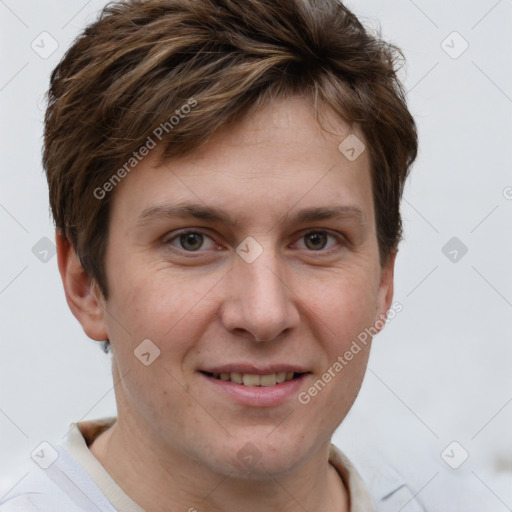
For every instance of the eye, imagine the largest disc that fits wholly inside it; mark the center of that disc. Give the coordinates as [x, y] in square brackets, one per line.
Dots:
[189, 241]
[317, 240]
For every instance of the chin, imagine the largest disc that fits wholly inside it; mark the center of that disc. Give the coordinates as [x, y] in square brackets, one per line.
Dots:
[261, 456]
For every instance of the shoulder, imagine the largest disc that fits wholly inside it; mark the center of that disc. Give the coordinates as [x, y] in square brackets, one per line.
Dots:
[56, 483]
[387, 487]
[35, 492]
[29, 502]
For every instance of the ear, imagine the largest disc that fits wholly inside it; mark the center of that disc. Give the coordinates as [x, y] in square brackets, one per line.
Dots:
[82, 294]
[385, 291]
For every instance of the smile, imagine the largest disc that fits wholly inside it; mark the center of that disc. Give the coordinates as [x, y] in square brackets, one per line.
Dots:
[255, 387]
[251, 379]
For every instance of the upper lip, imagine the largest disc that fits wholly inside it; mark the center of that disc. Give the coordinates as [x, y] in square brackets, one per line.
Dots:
[255, 370]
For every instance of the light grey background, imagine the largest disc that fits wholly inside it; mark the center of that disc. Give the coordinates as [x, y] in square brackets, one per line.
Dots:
[439, 372]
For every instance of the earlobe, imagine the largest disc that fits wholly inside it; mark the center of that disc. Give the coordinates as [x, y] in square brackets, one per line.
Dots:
[385, 291]
[82, 296]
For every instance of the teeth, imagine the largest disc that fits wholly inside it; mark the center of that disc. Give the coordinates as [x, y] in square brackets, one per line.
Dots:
[268, 380]
[236, 377]
[248, 379]
[251, 380]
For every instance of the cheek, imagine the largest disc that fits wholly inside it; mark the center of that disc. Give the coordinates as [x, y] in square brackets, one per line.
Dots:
[345, 306]
[160, 305]
[344, 313]
[164, 310]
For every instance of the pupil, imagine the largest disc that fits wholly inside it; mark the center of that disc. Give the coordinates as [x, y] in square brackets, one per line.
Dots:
[191, 237]
[316, 237]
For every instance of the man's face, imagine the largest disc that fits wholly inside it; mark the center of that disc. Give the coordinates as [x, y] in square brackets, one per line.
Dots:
[270, 294]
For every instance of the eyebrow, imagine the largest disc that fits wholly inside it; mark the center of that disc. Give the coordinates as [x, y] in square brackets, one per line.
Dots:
[215, 214]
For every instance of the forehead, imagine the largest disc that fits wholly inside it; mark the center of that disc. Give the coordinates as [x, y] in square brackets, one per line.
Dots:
[276, 160]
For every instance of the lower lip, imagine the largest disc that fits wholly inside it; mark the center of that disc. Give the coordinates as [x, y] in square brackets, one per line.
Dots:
[258, 396]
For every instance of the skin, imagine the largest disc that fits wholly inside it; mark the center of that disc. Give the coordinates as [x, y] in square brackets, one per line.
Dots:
[302, 301]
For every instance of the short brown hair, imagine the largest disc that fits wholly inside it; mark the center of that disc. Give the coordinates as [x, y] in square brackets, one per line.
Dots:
[136, 66]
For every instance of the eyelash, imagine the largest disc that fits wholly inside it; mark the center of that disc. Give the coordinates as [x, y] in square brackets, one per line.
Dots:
[340, 239]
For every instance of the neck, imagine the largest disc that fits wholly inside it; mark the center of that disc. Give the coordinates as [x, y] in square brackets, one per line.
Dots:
[158, 478]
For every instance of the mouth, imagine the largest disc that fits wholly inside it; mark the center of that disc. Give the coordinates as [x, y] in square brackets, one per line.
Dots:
[255, 387]
[255, 380]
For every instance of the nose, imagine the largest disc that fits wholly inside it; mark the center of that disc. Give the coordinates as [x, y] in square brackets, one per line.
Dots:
[260, 304]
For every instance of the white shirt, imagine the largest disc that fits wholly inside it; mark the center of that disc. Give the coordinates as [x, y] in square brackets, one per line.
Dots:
[67, 477]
